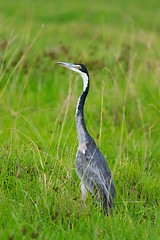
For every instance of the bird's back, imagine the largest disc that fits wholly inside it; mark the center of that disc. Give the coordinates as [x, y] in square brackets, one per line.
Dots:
[94, 173]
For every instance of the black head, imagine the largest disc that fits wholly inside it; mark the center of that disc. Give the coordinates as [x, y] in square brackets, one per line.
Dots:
[76, 67]
[82, 68]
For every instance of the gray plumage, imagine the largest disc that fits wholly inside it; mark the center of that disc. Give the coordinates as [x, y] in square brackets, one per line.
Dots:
[91, 166]
[95, 174]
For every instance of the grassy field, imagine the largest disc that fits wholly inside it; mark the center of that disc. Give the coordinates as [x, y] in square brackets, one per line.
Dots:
[119, 43]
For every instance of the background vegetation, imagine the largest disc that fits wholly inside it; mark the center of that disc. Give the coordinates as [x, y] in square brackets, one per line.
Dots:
[119, 43]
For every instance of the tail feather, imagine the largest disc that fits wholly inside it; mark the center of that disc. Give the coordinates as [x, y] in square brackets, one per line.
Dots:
[107, 201]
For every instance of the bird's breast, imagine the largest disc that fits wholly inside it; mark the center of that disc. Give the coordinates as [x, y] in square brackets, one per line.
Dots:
[82, 148]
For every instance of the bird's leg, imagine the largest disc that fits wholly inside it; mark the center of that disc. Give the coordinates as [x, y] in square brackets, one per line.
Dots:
[84, 193]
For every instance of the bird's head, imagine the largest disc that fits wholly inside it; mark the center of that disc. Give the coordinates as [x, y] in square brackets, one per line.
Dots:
[76, 67]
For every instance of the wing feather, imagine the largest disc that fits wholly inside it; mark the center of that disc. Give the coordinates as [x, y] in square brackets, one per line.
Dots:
[95, 174]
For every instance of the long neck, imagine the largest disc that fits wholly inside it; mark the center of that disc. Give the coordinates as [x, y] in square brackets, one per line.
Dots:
[82, 133]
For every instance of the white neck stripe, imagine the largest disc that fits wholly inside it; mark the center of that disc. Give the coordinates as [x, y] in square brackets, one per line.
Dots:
[85, 80]
[85, 85]
[84, 77]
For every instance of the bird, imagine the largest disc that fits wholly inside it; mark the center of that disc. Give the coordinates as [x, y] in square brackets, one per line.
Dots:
[91, 166]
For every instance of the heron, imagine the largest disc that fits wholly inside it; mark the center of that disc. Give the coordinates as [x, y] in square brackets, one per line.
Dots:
[91, 166]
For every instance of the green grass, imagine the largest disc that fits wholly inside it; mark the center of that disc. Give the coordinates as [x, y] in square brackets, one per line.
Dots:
[119, 43]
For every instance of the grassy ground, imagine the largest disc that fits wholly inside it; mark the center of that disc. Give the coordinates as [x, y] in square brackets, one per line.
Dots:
[119, 43]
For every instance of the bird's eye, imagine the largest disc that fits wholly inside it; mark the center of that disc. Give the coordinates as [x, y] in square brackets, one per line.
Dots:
[78, 66]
